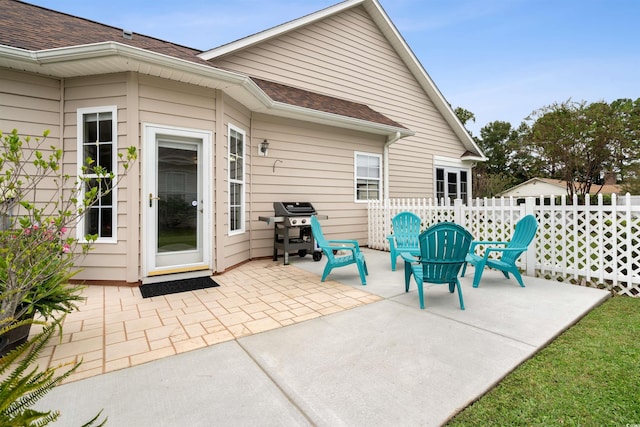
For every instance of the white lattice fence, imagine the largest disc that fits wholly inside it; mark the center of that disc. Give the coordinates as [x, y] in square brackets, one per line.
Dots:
[495, 220]
[381, 212]
[592, 244]
[595, 245]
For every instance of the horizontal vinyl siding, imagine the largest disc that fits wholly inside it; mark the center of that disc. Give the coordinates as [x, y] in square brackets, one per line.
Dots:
[176, 104]
[182, 105]
[30, 104]
[106, 261]
[348, 57]
[237, 248]
[314, 164]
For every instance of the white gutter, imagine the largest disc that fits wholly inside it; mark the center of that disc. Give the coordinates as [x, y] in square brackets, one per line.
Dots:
[105, 49]
[385, 160]
[294, 111]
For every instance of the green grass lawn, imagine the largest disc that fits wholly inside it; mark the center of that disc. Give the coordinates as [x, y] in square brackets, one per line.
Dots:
[588, 376]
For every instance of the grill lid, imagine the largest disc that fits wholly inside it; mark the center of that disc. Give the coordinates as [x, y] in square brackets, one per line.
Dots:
[293, 209]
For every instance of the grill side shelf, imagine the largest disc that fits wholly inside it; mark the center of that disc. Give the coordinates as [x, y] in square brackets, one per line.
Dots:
[270, 219]
[274, 219]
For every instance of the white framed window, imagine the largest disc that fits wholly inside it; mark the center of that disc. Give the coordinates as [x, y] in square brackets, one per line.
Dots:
[236, 167]
[97, 138]
[452, 183]
[368, 176]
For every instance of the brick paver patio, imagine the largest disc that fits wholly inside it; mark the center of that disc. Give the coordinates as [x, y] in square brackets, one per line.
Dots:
[116, 328]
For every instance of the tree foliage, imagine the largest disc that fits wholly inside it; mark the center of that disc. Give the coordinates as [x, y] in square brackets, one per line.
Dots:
[579, 142]
[507, 162]
[576, 142]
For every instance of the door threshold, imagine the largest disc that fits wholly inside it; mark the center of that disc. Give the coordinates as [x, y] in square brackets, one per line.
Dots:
[159, 277]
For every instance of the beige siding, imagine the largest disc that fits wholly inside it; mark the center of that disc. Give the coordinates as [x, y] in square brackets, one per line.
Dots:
[237, 247]
[30, 104]
[106, 261]
[158, 101]
[176, 104]
[347, 56]
[535, 189]
[344, 56]
[309, 163]
[192, 107]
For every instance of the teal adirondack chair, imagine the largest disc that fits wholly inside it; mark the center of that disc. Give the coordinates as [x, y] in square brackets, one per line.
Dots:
[443, 248]
[509, 251]
[406, 229]
[355, 256]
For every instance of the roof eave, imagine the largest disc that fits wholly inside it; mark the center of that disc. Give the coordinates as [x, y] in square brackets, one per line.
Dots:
[474, 158]
[98, 58]
[112, 57]
[301, 113]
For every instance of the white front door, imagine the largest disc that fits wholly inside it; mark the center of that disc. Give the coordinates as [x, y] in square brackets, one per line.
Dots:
[175, 200]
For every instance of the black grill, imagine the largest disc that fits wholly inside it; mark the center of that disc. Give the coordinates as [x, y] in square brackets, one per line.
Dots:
[295, 214]
[292, 229]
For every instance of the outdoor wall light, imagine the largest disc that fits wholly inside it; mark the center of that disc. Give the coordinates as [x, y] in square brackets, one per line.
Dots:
[263, 148]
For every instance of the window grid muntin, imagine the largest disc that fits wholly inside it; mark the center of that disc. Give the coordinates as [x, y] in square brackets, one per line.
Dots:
[98, 141]
[368, 177]
[236, 177]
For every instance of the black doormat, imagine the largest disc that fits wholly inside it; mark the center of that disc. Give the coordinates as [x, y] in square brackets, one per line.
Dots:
[176, 286]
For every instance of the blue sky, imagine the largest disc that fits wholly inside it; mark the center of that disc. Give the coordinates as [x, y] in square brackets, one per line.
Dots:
[500, 59]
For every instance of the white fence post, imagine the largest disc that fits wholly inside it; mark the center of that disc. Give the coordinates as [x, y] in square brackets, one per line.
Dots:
[530, 254]
[628, 243]
[458, 217]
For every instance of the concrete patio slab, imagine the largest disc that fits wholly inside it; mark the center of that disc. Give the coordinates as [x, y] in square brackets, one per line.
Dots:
[382, 363]
[219, 385]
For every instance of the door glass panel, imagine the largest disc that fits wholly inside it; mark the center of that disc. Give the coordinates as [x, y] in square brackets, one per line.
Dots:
[178, 199]
[452, 185]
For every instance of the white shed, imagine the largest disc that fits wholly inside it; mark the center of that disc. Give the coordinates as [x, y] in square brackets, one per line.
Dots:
[536, 187]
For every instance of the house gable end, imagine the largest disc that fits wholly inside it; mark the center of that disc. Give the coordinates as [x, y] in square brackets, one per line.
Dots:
[355, 52]
[345, 56]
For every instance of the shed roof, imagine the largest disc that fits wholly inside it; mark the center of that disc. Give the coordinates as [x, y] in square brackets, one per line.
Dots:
[562, 186]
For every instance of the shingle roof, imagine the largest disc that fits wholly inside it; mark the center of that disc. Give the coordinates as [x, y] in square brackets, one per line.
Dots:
[304, 98]
[35, 28]
[30, 27]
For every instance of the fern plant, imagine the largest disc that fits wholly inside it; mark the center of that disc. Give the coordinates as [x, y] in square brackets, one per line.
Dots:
[23, 384]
